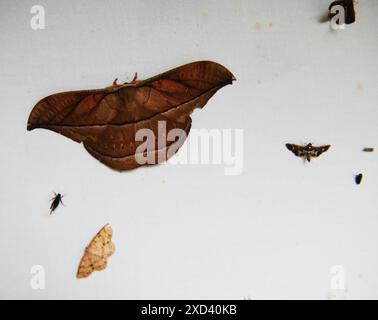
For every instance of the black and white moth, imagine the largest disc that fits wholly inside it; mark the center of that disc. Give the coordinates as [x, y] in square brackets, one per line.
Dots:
[307, 151]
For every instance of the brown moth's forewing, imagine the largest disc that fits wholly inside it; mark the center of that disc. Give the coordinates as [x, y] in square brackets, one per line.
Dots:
[296, 149]
[106, 120]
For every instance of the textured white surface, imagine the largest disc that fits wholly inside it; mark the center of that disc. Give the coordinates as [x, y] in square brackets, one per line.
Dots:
[189, 231]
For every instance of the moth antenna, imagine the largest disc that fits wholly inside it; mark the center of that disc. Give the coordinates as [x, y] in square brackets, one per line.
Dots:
[134, 79]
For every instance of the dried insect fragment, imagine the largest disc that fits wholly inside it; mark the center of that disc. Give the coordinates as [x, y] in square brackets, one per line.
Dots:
[358, 178]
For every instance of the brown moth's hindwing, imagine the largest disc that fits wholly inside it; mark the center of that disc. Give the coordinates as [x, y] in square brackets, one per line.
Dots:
[296, 149]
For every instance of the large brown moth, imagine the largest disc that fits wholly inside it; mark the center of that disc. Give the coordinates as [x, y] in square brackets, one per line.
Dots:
[307, 151]
[107, 120]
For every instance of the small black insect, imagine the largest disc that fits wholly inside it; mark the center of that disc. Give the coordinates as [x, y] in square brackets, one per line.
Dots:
[368, 149]
[56, 200]
[358, 178]
[307, 151]
[348, 5]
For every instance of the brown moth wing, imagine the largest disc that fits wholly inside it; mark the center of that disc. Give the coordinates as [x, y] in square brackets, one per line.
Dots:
[107, 120]
[115, 159]
[296, 149]
[317, 151]
[96, 253]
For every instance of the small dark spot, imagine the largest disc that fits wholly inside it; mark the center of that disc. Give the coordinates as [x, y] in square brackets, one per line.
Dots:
[358, 178]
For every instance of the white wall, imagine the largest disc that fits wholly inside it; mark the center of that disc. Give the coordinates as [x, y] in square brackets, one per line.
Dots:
[190, 231]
